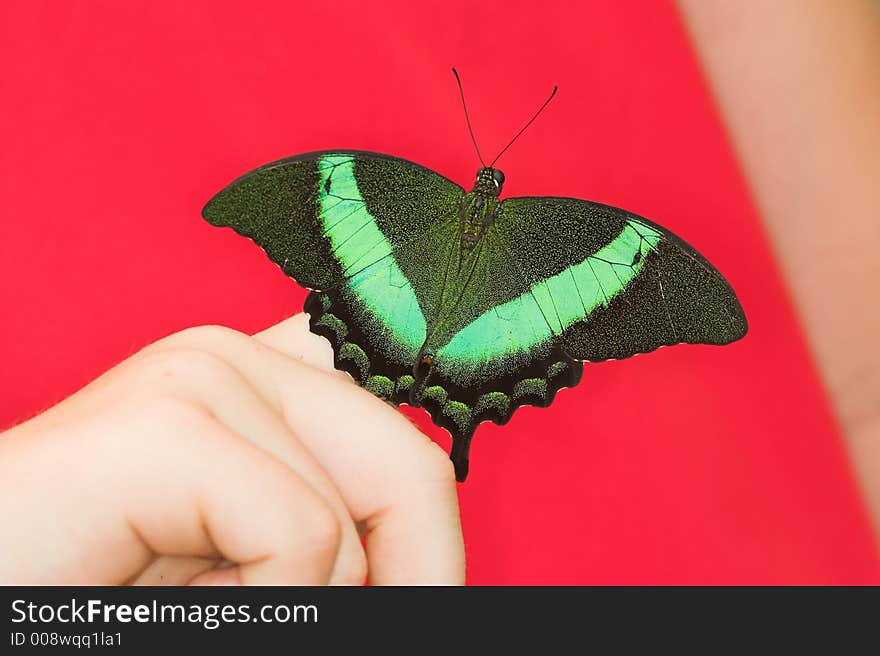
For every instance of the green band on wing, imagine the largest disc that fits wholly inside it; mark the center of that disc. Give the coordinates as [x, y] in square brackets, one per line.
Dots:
[554, 304]
[366, 256]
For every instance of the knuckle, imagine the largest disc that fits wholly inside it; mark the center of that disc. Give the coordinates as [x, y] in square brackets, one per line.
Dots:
[181, 362]
[160, 426]
[436, 464]
[186, 416]
[355, 571]
[323, 532]
[199, 335]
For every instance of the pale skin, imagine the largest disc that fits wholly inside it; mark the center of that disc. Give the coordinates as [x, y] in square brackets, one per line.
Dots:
[214, 457]
[798, 85]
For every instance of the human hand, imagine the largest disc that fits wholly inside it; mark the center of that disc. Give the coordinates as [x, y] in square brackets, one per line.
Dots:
[211, 457]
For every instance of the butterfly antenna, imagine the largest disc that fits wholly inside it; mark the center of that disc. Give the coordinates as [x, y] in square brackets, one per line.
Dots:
[468, 118]
[541, 109]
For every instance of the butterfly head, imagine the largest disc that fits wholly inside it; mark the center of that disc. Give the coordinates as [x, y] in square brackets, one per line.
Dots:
[489, 181]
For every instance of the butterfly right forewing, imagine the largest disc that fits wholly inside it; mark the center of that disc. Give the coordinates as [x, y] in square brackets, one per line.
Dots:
[618, 284]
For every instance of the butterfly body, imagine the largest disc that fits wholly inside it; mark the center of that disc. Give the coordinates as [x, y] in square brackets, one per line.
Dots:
[460, 302]
[479, 207]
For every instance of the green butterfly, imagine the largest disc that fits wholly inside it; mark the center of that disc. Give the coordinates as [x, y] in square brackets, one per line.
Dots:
[462, 303]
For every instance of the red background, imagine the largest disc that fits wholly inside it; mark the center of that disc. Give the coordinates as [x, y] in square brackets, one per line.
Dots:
[119, 120]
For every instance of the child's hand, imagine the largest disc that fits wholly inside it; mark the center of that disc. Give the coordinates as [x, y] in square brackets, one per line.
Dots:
[214, 457]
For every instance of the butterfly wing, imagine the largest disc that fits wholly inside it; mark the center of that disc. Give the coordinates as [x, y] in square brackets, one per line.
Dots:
[366, 232]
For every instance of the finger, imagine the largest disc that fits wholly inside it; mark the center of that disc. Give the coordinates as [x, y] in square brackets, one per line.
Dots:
[390, 476]
[293, 338]
[224, 497]
[208, 379]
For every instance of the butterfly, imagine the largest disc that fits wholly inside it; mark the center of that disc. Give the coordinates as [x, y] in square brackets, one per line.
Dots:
[460, 302]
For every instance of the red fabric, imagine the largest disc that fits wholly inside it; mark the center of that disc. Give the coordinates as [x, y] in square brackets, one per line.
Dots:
[689, 465]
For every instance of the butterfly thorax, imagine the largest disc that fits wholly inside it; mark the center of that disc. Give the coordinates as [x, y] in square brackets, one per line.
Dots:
[479, 207]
